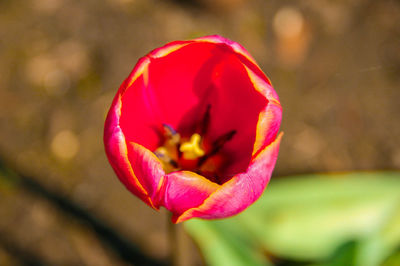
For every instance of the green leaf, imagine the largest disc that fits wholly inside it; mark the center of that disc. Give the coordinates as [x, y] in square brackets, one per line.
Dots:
[223, 243]
[393, 260]
[345, 254]
[308, 218]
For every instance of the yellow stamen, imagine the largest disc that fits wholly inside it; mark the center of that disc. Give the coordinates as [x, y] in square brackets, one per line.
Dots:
[164, 155]
[191, 150]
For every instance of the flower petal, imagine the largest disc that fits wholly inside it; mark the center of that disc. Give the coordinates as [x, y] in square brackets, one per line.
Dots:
[117, 152]
[140, 117]
[185, 190]
[270, 118]
[242, 190]
[268, 126]
[240, 51]
[234, 45]
[148, 169]
[179, 83]
[235, 105]
[168, 48]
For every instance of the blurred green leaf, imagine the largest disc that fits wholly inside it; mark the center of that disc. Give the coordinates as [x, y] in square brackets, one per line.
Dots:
[308, 218]
[224, 244]
[393, 260]
[345, 254]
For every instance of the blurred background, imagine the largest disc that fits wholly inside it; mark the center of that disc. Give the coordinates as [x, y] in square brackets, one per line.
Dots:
[335, 65]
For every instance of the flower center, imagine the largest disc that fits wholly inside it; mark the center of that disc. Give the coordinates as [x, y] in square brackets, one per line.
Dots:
[195, 153]
[178, 153]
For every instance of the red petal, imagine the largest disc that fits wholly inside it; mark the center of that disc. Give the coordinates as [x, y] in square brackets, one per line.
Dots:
[185, 190]
[270, 118]
[242, 190]
[148, 169]
[235, 105]
[181, 83]
[117, 152]
[140, 119]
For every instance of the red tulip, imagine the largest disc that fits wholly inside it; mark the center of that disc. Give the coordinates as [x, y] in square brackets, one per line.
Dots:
[194, 128]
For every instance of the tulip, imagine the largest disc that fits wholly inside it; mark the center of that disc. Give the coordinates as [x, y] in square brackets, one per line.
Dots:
[194, 128]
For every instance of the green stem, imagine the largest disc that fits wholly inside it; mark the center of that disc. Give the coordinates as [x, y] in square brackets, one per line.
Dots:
[173, 242]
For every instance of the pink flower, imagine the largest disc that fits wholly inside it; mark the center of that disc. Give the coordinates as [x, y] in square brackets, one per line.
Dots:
[194, 128]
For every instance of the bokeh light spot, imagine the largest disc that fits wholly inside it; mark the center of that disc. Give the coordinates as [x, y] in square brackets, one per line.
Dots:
[65, 145]
[288, 22]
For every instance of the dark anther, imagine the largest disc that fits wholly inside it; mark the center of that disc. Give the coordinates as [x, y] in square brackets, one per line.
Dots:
[169, 130]
[171, 134]
[173, 163]
[217, 146]
[219, 143]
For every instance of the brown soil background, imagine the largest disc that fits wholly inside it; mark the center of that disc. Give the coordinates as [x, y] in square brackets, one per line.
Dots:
[335, 65]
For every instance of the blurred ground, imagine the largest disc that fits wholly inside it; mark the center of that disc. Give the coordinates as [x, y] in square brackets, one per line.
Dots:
[335, 65]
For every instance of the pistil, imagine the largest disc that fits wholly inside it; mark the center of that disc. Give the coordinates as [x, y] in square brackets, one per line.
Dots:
[191, 150]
